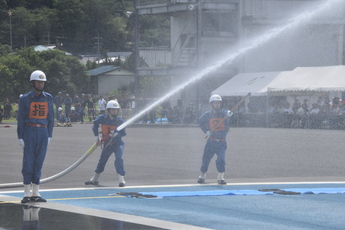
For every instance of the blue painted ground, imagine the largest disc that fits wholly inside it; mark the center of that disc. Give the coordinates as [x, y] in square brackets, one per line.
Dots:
[283, 206]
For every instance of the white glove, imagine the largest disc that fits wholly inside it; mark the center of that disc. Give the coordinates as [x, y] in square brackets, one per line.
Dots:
[96, 139]
[208, 134]
[49, 140]
[229, 114]
[21, 143]
[113, 133]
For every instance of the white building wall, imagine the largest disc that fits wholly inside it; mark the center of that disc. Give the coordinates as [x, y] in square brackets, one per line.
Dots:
[315, 42]
[319, 42]
[109, 82]
[283, 8]
[308, 45]
[156, 57]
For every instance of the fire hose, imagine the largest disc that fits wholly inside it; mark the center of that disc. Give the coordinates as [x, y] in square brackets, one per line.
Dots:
[232, 110]
[64, 172]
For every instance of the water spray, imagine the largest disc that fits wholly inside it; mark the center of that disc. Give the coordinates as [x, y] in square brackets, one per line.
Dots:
[250, 45]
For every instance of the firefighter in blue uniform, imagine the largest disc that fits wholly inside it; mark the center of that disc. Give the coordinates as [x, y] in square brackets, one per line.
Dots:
[216, 140]
[58, 100]
[34, 130]
[109, 122]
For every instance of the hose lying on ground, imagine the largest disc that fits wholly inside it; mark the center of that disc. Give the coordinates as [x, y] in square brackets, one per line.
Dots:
[64, 172]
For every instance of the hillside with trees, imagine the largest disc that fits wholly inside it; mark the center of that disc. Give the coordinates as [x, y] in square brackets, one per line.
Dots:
[75, 26]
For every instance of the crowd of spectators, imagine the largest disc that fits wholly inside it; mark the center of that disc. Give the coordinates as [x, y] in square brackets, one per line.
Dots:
[323, 113]
[6, 110]
[75, 109]
[84, 107]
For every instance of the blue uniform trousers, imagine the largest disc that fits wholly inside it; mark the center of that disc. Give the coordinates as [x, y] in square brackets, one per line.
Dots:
[211, 148]
[81, 113]
[36, 143]
[106, 153]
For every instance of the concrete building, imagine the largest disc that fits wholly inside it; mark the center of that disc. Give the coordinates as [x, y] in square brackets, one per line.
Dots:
[205, 32]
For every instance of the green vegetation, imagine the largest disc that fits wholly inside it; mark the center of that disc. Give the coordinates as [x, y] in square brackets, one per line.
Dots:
[63, 72]
[77, 27]
[73, 23]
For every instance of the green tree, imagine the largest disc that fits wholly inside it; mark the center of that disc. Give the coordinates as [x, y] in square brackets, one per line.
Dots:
[154, 87]
[29, 27]
[154, 30]
[67, 73]
[14, 72]
[64, 72]
[76, 24]
[5, 49]
[30, 4]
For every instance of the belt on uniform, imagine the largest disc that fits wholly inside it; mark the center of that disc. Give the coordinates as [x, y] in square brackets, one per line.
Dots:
[36, 125]
[214, 139]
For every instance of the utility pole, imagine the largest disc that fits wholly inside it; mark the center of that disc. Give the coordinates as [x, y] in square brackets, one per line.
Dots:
[10, 15]
[136, 55]
[48, 37]
[98, 43]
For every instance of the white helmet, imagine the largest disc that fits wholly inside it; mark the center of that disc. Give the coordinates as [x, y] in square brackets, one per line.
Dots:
[72, 108]
[59, 109]
[38, 75]
[215, 97]
[113, 104]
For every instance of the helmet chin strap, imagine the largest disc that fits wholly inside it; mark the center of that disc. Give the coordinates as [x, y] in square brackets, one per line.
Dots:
[111, 115]
[38, 90]
[34, 86]
[215, 109]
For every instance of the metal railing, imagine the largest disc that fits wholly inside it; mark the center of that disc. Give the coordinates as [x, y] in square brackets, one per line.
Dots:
[153, 2]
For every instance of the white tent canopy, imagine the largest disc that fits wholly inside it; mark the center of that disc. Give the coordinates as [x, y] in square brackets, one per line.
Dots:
[243, 83]
[300, 80]
[306, 79]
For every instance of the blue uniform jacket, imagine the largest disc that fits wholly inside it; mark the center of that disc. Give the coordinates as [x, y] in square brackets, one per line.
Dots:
[68, 101]
[58, 101]
[104, 120]
[208, 120]
[24, 110]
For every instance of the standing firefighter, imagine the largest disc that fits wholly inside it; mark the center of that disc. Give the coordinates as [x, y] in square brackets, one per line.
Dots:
[109, 122]
[35, 129]
[216, 128]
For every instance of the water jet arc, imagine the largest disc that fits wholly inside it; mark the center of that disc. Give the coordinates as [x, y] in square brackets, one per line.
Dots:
[250, 45]
[254, 43]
